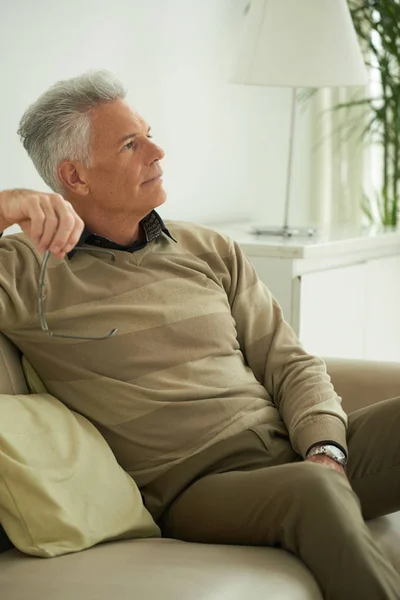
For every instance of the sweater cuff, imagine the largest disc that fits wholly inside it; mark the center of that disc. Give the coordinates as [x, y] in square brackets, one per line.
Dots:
[322, 427]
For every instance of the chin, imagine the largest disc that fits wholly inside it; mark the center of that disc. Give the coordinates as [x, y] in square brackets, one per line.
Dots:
[159, 199]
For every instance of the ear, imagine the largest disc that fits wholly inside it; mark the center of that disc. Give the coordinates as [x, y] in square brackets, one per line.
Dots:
[73, 177]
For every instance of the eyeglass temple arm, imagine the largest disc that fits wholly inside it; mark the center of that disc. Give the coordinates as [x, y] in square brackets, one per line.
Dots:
[41, 298]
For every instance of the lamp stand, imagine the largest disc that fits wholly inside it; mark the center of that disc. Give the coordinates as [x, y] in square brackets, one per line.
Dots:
[285, 230]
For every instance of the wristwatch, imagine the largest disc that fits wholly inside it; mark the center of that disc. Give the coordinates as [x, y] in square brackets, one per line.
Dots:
[331, 451]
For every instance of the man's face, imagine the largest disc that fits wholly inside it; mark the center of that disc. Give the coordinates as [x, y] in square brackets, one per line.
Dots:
[124, 160]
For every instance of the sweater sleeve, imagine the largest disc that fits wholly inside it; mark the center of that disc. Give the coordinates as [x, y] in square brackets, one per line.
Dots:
[19, 278]
[297, 382]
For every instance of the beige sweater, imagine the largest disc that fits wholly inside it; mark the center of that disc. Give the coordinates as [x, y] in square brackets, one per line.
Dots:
[202, 351]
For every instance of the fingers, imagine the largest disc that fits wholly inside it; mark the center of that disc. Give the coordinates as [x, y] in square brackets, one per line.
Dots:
[76, 232]
[55, 225]
[37, 218]
[63, 228]
[50, 224]
[49, 220]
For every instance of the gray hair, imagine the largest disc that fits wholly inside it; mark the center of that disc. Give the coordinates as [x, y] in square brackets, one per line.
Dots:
[57, 126]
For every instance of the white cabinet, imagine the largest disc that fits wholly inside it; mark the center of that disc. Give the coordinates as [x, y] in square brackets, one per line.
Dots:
[340, 291]
[382, 309]
[332, 309]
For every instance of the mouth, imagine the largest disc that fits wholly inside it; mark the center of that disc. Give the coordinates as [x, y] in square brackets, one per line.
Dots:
[153, 179]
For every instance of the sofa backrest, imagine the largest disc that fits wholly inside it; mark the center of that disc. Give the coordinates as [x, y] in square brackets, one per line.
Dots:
[12, 379]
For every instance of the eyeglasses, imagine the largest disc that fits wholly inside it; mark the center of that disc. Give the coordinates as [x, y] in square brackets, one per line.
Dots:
[42, 296]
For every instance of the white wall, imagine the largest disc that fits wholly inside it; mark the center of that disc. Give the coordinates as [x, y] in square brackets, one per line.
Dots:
[226, 145]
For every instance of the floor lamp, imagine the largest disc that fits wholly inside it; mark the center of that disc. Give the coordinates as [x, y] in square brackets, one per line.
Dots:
[298, 43]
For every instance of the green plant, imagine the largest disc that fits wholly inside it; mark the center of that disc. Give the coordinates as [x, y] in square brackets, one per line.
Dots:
[377, 23]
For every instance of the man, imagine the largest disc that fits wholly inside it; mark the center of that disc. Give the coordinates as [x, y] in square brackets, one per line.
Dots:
[205, 395]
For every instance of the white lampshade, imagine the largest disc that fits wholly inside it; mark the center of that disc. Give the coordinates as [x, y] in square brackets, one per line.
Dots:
[299, 43]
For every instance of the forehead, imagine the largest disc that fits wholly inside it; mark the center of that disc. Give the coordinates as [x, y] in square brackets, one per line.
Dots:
[113, 120]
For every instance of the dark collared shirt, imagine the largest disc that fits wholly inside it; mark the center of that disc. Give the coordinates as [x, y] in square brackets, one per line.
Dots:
[153, 227]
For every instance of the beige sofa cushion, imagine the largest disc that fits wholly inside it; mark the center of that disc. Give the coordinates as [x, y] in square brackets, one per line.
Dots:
[61, 488]
[159, 569]
[163, 569]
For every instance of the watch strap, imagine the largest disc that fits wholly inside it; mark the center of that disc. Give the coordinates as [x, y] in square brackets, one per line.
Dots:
[331, 451]
[328, 443]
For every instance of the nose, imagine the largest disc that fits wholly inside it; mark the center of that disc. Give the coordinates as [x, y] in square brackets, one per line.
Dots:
[155, 152]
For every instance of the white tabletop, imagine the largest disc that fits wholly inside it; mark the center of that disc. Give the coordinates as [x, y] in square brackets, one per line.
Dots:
[326, 242]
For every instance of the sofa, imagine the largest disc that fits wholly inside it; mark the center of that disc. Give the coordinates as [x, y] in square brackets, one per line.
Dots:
[155, 569]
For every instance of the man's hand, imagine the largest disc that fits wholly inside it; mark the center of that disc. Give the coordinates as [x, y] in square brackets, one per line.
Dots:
[48, 219]
[322, 459]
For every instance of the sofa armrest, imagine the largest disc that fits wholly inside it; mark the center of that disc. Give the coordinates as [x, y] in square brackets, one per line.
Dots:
[363, 382]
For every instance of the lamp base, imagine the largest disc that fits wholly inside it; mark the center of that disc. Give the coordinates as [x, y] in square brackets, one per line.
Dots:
[285, 231]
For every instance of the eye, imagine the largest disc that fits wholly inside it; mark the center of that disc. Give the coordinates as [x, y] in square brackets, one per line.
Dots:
[132, 144]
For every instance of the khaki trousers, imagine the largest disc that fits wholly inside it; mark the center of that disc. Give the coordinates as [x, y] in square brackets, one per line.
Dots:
[254, 489]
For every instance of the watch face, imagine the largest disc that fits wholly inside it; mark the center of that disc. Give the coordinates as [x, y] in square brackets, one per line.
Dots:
[335, 453]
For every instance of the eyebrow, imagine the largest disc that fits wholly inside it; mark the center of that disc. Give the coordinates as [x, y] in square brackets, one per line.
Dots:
[130, 136]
